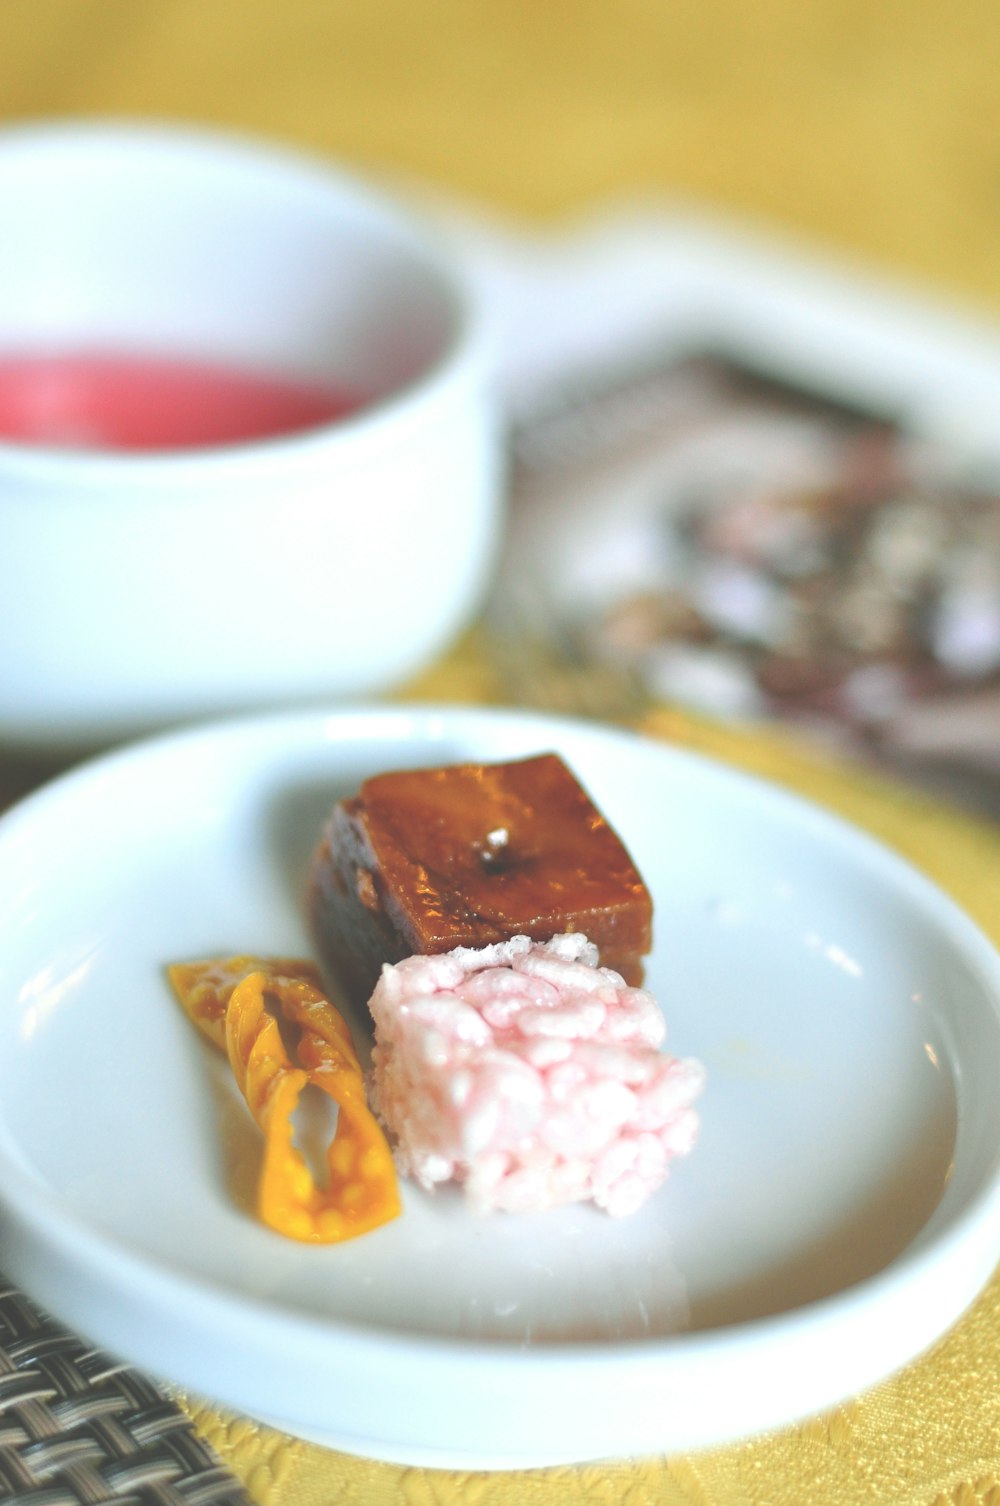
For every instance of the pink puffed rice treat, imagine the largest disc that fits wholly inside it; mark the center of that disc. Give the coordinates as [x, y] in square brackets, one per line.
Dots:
[530, 1075]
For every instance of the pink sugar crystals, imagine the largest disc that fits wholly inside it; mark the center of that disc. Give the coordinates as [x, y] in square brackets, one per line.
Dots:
[530, 1075]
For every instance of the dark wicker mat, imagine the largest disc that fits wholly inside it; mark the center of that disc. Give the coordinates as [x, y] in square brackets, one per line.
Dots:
[77, 1426]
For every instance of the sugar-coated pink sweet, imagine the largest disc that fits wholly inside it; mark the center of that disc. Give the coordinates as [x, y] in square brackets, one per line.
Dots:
[530, 1075]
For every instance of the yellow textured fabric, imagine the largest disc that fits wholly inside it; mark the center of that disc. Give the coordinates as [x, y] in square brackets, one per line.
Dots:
[872, 128]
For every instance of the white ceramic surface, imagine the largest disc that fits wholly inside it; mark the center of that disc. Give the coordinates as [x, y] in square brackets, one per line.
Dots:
[142, 589]
[840, 1211]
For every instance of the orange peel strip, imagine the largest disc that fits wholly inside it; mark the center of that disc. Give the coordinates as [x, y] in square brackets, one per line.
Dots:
[203, 988]
[227, 999]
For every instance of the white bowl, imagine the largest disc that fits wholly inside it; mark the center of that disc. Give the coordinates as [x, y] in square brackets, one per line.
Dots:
[840, 1209]
[141, 589]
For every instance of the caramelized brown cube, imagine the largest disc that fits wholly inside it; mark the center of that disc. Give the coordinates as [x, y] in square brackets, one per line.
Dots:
[421, 861]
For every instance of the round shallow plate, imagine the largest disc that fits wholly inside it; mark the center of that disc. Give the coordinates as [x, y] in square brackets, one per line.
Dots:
[840, 1210]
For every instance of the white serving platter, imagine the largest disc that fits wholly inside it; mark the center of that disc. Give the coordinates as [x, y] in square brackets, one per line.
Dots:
[840, 1211]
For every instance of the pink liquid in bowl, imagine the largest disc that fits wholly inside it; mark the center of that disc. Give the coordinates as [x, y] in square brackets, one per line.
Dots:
[124, 402]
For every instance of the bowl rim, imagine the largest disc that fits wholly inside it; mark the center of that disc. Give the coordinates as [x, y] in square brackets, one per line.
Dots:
[463, 364]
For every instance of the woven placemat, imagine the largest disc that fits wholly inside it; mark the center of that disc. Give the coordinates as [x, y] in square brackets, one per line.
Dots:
[78, 1426]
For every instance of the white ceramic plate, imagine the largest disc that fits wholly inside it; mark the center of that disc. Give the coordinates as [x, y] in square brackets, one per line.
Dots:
[839, 1212]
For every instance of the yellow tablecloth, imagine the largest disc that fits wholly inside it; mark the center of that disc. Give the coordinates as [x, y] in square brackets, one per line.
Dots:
[871, 128]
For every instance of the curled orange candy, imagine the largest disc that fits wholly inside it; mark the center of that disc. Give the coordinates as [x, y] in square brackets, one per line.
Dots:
[263, 1013]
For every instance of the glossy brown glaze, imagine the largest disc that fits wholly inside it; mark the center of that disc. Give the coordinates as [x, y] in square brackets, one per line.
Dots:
[422, 861]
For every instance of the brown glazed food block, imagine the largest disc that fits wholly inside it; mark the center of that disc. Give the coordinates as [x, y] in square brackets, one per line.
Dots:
[424, 860]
